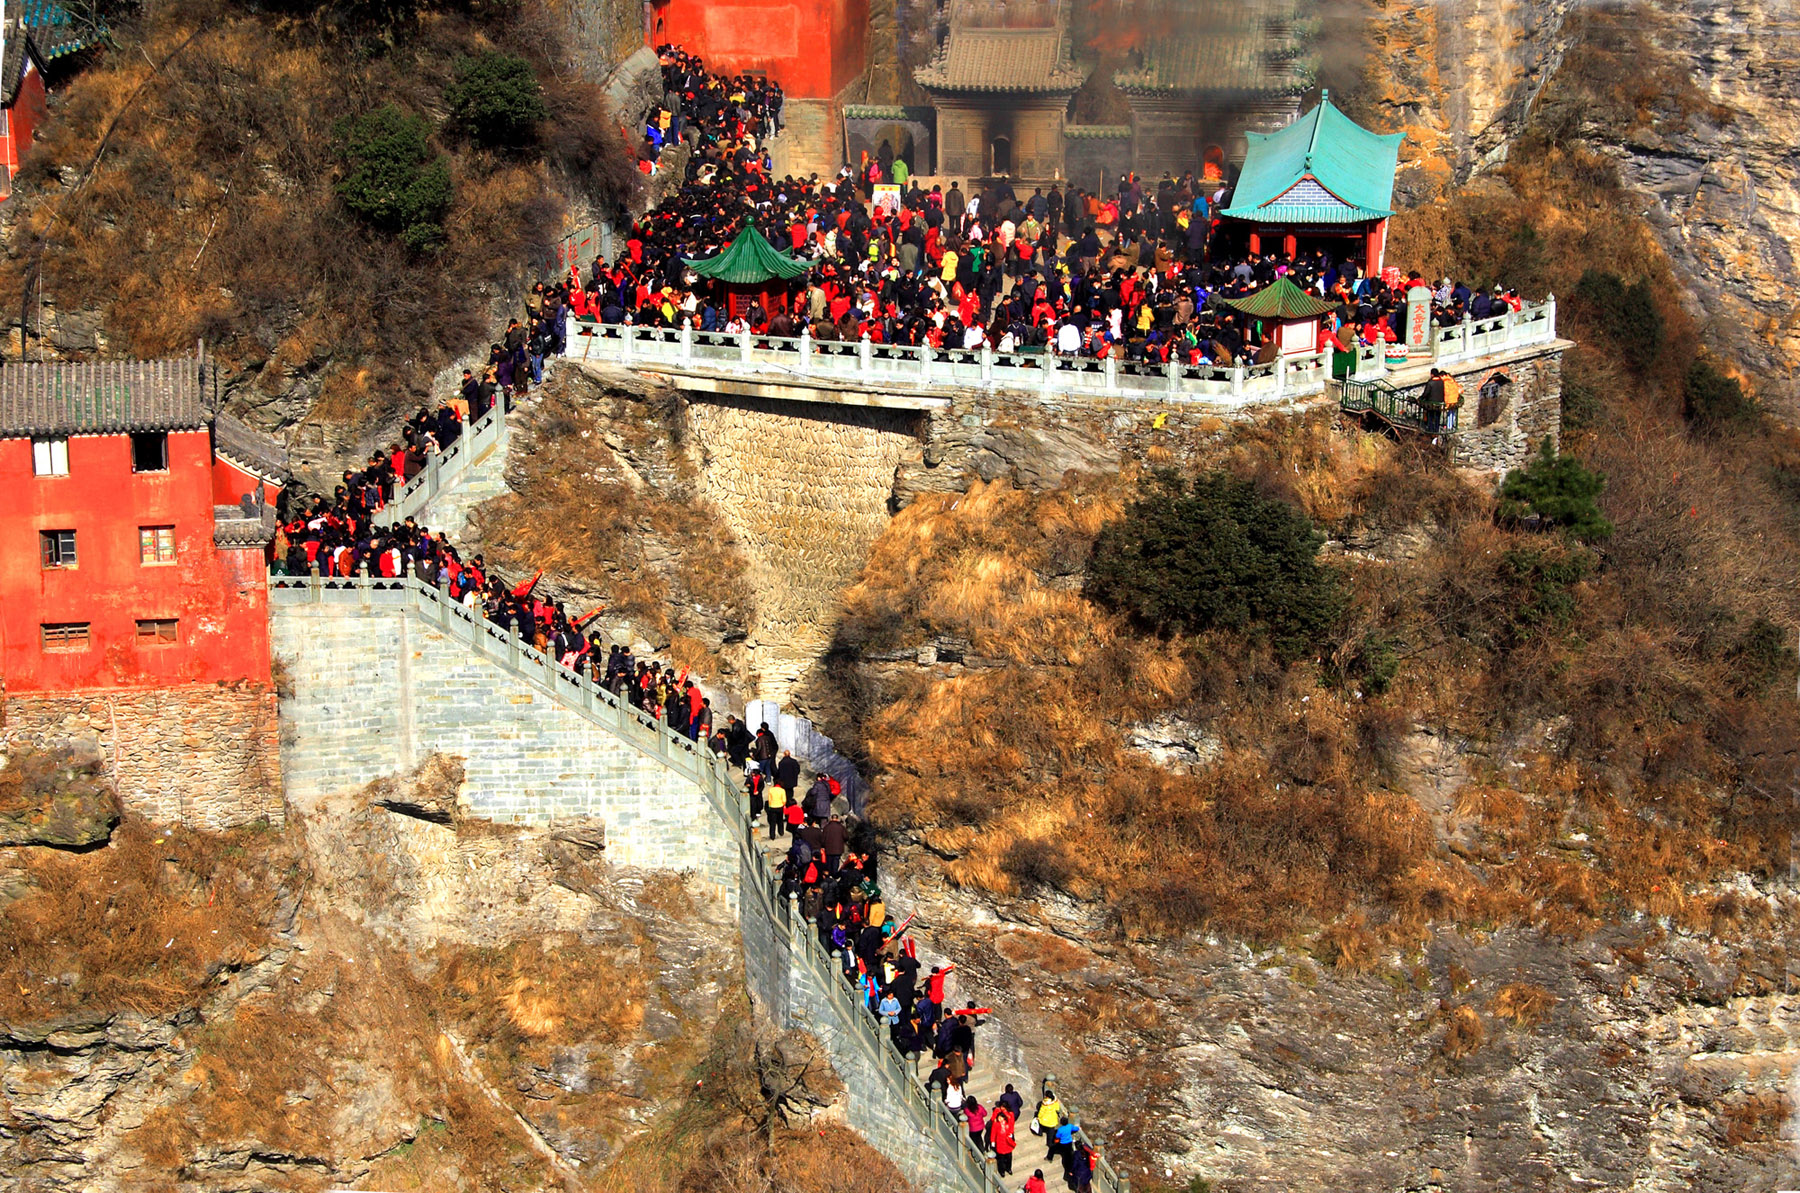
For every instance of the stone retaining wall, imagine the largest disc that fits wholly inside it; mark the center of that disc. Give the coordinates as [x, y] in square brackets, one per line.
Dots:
[201, 755]
[806, 491]
[377, 689]
[1528, 410]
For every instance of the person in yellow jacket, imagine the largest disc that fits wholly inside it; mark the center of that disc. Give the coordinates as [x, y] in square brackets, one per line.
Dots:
[1048, 1118]
[1452, 399]
[777, 798]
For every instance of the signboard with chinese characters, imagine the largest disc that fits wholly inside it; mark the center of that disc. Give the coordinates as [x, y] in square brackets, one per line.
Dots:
[1418, 321]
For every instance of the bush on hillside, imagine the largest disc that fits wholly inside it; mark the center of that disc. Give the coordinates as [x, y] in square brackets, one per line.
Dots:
[1714, 402]
[581, 138]
[1559, 491]
[496, 100]
[1216, 554]
[1627, 314]
[394, 181]
[1541, 583]
[1760, 657]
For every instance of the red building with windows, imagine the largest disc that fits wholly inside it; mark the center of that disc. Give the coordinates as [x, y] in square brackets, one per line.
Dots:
[22, 103]
[129, 555]
[34, 35]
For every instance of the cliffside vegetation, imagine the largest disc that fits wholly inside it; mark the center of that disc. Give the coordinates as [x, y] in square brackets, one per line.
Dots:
[1605, 658]
[330, 197]
[611, 508]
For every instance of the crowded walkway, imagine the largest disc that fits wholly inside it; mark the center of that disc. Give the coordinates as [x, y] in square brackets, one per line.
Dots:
[1144, 274]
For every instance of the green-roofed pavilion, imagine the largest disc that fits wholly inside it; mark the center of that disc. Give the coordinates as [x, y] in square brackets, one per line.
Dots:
[1323, 177]
[1289, 314]
[1282, 300]
[751, 270]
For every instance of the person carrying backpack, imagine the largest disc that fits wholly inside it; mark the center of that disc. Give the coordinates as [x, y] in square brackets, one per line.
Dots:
[1045, 1122]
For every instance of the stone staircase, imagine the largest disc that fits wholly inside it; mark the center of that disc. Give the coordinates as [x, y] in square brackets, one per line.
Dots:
[999, 1061]
[456, 480]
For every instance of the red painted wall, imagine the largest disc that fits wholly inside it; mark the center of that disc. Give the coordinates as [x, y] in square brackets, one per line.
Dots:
[231, 482]
[22, 119]
[220, 598]
[813, 48]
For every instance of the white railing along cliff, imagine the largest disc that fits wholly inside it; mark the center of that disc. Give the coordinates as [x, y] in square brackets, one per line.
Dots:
[778, 359]
[447, 466]
[760, 892]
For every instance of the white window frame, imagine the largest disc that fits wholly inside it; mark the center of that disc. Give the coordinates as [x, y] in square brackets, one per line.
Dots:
[50, 456]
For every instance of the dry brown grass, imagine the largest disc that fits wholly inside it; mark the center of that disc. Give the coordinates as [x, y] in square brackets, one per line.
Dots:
[1522, 1002]
[1753, 1119]
[1463, 1032]
[1016, 764]
[202, 165]
[581, 512]
[144, 924]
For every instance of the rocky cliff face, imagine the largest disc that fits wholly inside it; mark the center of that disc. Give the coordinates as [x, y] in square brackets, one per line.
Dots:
[1697, 101]
[385, 995]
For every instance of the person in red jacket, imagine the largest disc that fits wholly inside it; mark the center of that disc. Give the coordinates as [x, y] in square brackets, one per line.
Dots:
[1035, 1183]
[1000, 1134]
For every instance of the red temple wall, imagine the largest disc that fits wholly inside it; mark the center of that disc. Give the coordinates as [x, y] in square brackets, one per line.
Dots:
[219, 598]
[813, 48]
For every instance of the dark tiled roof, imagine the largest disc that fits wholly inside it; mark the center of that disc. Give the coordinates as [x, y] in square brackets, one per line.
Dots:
[250, 448]
[55, 32]
[975, 58]
[12, 68]
[66, 398]
[233, 526]
[1238, 46]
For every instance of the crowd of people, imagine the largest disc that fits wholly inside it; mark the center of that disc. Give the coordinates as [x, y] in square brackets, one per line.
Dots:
[829, 870]
[830, 864]
[1143, 274]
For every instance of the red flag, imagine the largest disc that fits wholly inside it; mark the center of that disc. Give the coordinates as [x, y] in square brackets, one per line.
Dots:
[596, 611]
[524, 590]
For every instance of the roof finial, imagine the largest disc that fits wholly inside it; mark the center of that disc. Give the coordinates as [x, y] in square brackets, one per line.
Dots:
[1325, 95]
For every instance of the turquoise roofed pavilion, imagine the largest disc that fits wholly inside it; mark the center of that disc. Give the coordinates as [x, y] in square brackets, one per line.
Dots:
[1324, 181]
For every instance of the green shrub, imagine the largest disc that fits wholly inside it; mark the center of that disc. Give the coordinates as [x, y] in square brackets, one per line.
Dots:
[496, 100]
[1715, 403]
[1581, 406]
[1542, 581]
[1375, 664]
[1626, 314]
[1216, 554]
[394, 180]
[1760, 657]
[1558, 490]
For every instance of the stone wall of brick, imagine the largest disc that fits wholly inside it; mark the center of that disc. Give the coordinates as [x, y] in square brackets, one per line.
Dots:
[792, 985]
[202, 755]
[805, 489]
[1529, 410]
[377, 689]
